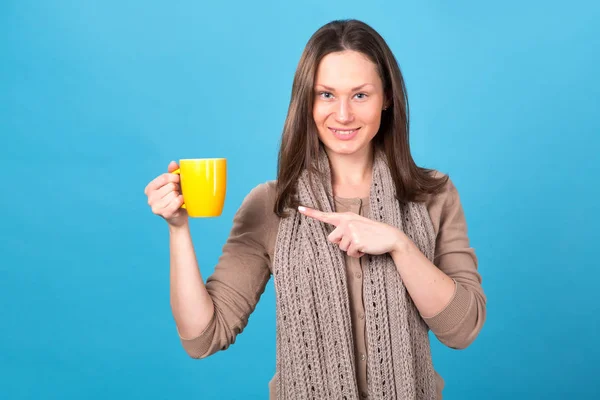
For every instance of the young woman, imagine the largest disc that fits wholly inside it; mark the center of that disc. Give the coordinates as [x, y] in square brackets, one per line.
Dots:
[368, 251]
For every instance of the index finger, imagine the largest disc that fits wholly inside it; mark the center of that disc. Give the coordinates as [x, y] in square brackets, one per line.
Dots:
[161, 181]
[329, 218]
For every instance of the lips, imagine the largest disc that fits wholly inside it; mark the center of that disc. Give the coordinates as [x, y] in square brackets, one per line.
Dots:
[344, 134]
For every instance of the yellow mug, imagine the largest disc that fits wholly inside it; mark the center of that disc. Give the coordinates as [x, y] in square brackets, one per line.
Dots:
[203, 185]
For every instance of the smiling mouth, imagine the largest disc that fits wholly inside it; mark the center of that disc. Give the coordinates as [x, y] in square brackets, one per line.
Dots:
[344, 132]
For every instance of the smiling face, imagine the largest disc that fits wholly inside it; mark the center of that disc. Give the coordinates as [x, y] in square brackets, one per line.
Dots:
[349, 99]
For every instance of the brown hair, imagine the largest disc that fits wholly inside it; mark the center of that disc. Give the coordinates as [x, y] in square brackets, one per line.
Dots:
[300, 142]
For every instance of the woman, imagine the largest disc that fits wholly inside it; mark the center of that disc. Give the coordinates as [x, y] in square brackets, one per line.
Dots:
[368, 251]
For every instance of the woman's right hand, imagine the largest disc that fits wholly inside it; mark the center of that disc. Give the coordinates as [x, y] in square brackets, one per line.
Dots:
[165, 199]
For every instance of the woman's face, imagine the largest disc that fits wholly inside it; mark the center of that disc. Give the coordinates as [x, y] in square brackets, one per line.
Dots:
[348, 102]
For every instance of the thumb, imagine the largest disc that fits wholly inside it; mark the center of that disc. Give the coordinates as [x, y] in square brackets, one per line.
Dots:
[172, 166]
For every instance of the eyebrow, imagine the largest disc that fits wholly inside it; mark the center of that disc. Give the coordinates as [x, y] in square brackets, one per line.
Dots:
[352, 90]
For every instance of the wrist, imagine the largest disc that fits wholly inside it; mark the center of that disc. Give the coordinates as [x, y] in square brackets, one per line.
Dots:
[184, 227]
[401, 245]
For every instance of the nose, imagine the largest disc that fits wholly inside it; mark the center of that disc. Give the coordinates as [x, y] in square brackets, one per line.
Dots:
[344, 112]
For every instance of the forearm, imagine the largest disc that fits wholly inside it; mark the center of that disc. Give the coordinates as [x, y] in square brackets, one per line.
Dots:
[430, 289]
[191, 303]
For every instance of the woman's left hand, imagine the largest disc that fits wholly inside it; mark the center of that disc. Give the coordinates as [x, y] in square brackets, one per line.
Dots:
[357, 235]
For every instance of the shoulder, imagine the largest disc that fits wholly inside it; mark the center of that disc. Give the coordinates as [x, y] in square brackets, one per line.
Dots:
[447, 192]
[261, 197]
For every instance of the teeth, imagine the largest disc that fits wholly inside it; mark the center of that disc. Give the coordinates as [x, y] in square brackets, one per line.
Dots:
[344, 132]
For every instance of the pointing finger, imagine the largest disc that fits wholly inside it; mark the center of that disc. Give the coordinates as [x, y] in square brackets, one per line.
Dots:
[329, 218]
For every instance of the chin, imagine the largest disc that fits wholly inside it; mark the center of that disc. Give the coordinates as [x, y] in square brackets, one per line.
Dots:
[344, 149]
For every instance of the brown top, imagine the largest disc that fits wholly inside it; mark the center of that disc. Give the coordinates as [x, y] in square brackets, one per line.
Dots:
[244, 269]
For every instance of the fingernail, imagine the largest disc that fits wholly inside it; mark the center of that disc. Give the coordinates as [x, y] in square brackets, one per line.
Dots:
[301, 208]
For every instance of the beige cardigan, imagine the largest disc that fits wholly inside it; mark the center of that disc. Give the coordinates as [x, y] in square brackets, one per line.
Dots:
[244, 269]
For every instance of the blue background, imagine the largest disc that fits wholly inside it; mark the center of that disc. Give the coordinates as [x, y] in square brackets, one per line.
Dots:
[97, 97]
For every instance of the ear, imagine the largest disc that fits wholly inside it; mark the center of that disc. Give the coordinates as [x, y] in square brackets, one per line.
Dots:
[387, 102]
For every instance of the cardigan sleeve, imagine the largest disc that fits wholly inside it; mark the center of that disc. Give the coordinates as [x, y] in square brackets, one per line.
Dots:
[239, 278]
[459, 323]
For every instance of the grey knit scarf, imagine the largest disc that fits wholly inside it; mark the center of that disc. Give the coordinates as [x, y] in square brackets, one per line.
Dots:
[315, 350]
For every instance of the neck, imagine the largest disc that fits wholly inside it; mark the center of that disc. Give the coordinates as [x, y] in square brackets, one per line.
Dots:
[351, 174]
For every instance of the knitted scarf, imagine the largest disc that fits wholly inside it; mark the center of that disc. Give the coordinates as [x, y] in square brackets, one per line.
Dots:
[315, 349]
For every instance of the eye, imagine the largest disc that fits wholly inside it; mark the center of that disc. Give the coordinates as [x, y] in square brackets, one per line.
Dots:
[361, 96]
[325, 95]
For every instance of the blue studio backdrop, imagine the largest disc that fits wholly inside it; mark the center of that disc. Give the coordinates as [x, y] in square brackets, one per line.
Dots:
[97, 97]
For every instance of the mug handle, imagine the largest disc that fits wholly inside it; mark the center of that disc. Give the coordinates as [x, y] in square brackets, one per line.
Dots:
[178, 172]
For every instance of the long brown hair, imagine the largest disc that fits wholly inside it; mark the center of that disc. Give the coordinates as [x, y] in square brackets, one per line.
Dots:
[300, 141]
